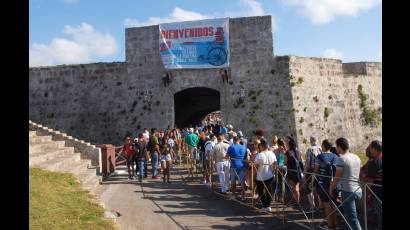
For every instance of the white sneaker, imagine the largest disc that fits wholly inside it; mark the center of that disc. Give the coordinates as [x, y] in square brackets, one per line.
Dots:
[265, 210]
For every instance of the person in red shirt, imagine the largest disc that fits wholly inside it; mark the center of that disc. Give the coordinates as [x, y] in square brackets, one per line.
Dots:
[128, 150]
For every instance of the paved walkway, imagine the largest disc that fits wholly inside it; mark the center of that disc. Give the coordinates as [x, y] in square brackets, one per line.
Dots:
[180, 205]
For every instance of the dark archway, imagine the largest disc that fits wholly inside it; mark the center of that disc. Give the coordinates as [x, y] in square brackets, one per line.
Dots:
[193, 104]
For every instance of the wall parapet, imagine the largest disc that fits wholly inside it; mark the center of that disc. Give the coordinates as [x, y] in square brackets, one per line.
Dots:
[86, 149]
[362, 68]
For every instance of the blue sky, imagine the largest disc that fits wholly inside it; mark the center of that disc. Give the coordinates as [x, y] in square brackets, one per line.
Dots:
[85, 31]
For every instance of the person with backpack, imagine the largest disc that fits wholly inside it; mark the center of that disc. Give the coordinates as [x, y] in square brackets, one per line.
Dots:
[311, 154]
[325, 166]
[192, 140]
[141, 154]
[209, 145]
[295, 167]
[153, 146]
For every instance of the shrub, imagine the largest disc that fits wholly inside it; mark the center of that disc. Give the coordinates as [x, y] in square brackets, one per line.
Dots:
[327, 112]
[273, 115]
[370, 116]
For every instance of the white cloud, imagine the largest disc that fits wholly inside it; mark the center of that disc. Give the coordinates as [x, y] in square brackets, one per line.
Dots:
[176, 15]
[324, 11]
[332, 53]
[70, 2]
[84, 44]
[247, 8]
[250, 8]
[380, 53]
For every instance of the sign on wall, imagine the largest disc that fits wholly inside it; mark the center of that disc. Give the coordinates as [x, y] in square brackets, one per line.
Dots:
[195, 44]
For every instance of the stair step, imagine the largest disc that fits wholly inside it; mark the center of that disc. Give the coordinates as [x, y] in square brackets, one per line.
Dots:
[61, 162]
[39, 139]
[40, 157]
[47, 151]
[48, 146]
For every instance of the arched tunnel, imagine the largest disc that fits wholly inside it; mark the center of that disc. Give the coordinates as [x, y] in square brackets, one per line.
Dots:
[193, 104]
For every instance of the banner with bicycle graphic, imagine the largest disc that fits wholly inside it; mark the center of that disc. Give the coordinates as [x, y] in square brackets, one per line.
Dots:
[195, 44]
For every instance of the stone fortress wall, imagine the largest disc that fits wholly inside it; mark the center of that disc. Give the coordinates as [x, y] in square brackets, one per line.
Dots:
[100, 102]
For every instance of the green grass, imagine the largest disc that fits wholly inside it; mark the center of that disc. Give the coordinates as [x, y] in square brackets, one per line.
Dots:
[57, 201]
[363, 158]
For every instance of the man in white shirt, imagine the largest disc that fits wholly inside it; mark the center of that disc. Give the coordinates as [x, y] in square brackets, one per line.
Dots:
[218, 155]
[347, 172]
[265, 162]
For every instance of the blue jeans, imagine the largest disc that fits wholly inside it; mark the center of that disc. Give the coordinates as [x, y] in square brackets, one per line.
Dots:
[145, 167]
[141, 168]
[237, 173]
[378, 210]
[154, 163]
[349, 208]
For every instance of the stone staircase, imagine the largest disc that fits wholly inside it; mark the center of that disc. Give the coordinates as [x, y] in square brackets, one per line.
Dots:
[53, 155]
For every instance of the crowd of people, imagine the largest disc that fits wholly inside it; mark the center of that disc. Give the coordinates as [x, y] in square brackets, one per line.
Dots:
[327, 175]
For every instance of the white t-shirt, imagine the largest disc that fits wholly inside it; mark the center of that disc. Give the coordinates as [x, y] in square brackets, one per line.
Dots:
[209, 145]
[146, 135]
[264, 160]
[171, 142]
[351, 169]
[219, 151]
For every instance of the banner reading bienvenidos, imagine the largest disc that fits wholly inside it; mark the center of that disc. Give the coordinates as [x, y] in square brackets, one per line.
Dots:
[195, 44]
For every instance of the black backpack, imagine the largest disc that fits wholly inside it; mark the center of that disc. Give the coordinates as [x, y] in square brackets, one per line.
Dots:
[330, 168]
[150, 146]
[298, 164]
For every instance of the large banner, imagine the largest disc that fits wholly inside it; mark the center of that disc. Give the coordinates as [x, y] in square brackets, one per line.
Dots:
[195, 44]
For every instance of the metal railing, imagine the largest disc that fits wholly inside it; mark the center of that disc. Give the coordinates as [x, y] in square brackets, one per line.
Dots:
[314, 179]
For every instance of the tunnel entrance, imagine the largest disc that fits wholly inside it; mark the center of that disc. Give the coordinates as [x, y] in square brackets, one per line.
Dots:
[194, 104]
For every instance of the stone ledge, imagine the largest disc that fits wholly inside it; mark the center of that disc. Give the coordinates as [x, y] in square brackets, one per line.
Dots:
[86, 149]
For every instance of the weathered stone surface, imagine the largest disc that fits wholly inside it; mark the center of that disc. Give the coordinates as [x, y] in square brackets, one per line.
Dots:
[100, 102]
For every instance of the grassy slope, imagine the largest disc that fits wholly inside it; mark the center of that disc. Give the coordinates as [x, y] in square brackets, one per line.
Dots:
[362, 157]
[58, 202]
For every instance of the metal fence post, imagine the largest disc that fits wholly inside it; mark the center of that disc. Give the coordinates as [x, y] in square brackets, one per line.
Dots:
[365, 206]
[252, 185]
[313, 201]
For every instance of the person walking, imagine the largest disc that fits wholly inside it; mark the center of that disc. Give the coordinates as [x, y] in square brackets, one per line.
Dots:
[265, 163]
[374, 175]
[218, 154]
[311, 154]
[155, 150]
[237, 153]
[295, 168]
[141, 155]
[325, 166]
[280, 154]
[192, 142]
[166, 159]
[209, 145]
[129, 152]
[347, 173]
